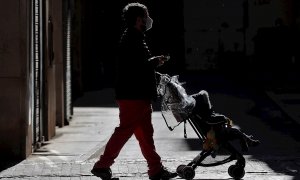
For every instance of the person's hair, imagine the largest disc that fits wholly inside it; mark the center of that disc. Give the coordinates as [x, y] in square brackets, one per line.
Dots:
[132, 11]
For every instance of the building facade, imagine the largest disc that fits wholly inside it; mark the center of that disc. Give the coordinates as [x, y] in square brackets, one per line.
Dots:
[51, 51]
[34, 73]
[220, 32]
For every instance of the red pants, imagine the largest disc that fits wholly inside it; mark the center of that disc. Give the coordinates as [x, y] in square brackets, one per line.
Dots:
[135, 118]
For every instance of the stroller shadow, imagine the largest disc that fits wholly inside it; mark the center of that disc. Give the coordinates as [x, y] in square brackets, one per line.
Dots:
[209, 179]
[195, 144]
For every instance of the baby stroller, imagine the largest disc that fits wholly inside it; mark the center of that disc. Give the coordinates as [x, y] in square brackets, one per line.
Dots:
[213, 129]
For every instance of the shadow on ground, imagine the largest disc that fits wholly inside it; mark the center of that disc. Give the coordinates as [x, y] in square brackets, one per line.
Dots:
[249, 106]
[7, 163]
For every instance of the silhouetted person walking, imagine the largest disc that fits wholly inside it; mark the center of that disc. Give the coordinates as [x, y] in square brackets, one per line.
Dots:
[135, 89]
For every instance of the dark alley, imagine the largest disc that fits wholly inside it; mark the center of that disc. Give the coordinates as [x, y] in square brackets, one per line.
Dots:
[60, 65]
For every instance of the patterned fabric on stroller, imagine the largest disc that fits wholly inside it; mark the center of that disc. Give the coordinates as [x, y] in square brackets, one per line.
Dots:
[215, 130]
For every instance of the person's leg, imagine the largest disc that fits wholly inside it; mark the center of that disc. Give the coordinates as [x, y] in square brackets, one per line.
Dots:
[128, 120]
[144, 134]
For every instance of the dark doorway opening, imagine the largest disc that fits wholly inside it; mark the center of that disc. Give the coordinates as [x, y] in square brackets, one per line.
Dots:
[100, 35]
[101, 26]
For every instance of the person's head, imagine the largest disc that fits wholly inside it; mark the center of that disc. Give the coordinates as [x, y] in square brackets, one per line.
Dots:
[136, 15]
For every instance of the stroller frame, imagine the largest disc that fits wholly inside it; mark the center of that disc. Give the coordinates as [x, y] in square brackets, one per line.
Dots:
[188, 171]
[236, 171]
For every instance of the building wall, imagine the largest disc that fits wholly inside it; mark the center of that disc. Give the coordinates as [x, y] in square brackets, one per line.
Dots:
[15, 135]
[17, 119]
[264, 15]
[54, 67]
[210, 27]
[205, 33]
[57, 11]
[50, 70]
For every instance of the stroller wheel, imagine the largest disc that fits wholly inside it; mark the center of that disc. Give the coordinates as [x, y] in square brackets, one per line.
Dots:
[236, 171]
[179, 170]
[188, 172]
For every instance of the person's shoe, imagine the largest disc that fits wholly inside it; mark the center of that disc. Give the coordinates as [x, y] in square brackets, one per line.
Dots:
[164, 174]
[252, 142]
[103, 173]
[249, 141]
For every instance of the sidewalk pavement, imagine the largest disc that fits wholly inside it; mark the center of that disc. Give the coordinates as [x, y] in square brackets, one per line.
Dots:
[289, 103]
[75, 148]
[71, 154]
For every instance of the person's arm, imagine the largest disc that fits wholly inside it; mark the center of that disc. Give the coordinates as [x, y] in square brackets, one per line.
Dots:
[158, 60]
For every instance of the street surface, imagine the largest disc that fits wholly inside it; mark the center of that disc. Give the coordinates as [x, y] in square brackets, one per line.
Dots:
[71, 154]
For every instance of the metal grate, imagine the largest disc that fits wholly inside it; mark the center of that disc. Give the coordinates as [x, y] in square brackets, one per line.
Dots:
[67, 59]
[37, 70]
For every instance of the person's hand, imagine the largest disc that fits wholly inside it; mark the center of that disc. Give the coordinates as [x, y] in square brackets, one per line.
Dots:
[162, 59]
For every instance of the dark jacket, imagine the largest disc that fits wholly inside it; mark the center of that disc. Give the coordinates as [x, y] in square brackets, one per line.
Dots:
[135, 75]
